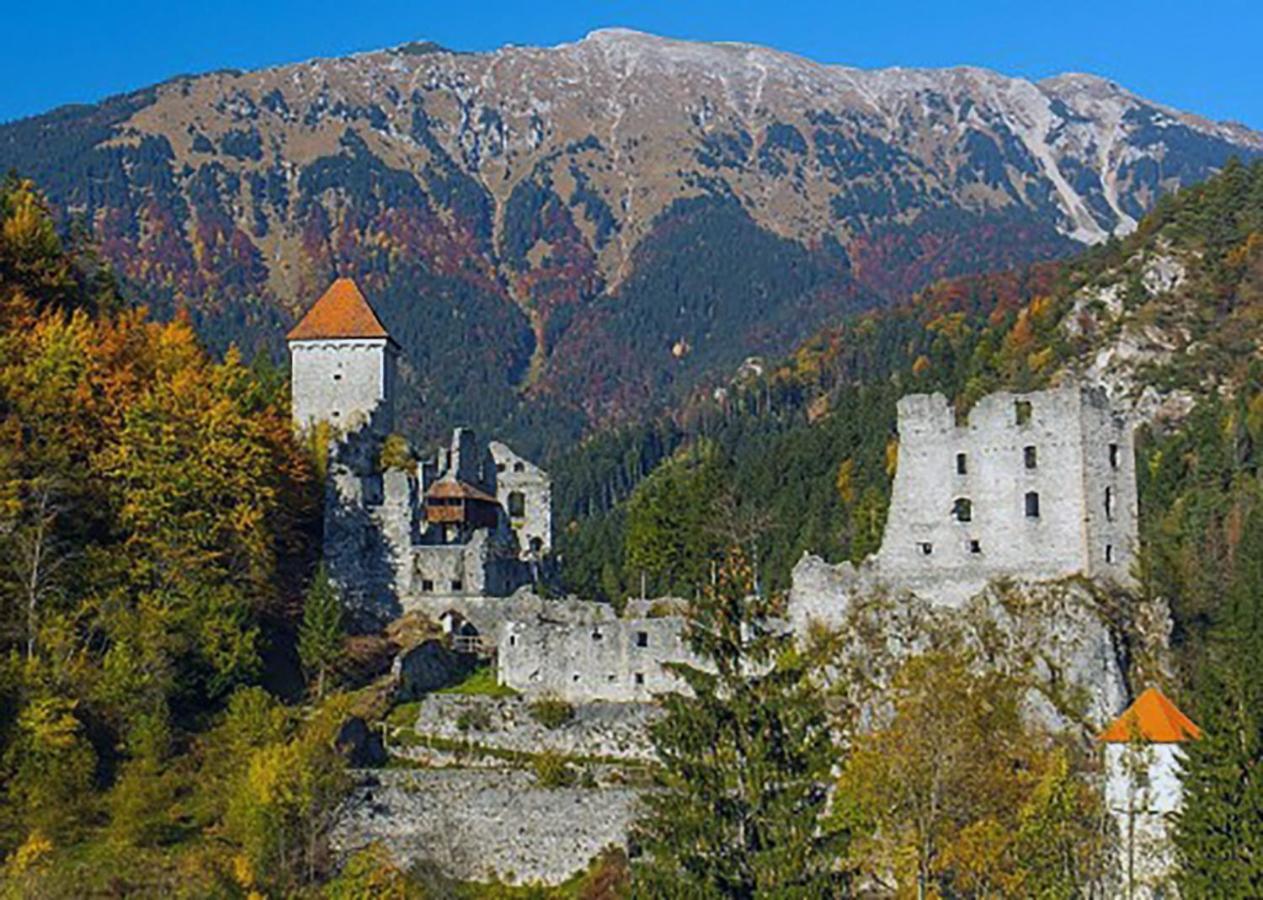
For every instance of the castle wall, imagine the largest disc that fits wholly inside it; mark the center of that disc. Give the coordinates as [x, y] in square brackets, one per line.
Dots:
[515, 475]
[348, 383]
[1016, 491]
[619, 660]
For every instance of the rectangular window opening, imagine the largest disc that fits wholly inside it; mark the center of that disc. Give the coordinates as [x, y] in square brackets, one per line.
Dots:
[642, 639]
[1032, 505]
[962, 465]
[1113, 456]
[1030, 457]
[975, 547]
[1109, 553]
[1022, 411]
[640, 677]
[427, 585]
[926, 548]
[457, 585]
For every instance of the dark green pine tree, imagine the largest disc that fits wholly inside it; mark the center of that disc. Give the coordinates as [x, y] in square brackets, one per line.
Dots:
[320, 639]
[1219, 831]
[745, 764]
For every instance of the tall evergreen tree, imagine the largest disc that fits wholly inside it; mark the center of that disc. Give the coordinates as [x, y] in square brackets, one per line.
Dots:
[746, 763]
[1219, 832]
[320, 635]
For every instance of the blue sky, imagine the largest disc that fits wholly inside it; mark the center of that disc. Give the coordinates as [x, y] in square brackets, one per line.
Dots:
[1203, 57]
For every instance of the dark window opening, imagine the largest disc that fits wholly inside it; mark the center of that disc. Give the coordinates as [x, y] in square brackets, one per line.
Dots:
[961, 464]
[642, 639]
[1032, 505]
[427, 585]
[1113, 456]
[519, 467]
[1109, 553]
[1022, 411]
[926, 548]
[596, 634]
[499, 467]
[513, 640]
[1109, 503]
[537, 545]
[640, 677]
[457, 585]
[963, 510]
[517, 504]
[576, 677]
[337, 376]
[336, 414]
[975, 547]
[1030, 457]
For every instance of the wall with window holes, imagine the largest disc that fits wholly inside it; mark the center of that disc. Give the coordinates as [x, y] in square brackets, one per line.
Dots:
[525, 492]
[1034, 487]
[1027, 487]
[619, 660]
[348, 383]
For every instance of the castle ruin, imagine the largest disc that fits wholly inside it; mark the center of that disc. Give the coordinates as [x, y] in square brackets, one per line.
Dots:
[1038, 486]
[473, 523]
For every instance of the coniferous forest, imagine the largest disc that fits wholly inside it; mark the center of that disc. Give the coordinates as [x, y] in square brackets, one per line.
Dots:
[175, 676]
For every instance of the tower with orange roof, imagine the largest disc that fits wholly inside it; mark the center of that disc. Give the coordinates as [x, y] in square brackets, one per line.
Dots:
[1143, 788]
[342, 364]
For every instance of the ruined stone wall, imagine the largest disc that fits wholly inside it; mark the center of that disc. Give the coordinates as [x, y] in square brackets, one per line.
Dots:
[532, 519]
[489, 614]
[483, 825]
[347, 383]
[619, 660]
[1016, 491]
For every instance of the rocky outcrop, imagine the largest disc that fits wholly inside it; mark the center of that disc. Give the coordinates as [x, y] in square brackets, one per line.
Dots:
[428, 667]
[484, 825]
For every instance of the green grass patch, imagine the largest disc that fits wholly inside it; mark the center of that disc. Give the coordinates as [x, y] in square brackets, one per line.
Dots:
[481, 682]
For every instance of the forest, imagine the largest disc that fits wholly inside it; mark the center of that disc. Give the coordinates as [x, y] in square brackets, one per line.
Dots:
[174, 675]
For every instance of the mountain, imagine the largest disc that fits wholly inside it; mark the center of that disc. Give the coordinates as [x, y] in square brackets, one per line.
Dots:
[564, 237]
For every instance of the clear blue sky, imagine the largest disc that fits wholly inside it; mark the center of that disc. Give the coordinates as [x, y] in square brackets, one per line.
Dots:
[1200, 56]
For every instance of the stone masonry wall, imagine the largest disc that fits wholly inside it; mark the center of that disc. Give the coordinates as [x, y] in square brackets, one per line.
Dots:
[515, 475]
[481, 825]
[619, 660]
[1017, 491]
[347, 383]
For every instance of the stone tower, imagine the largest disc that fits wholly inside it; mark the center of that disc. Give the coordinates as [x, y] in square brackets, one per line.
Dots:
[342, 364]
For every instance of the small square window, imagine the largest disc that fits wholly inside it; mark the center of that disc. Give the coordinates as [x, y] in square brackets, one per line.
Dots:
[457, 585]
[337, 376]
[1022, 411]
[642, 639]
[596, 634]
[640, 677]
[1030, 457]
[926, 548]
[427, 585]
[575, 678]
[975, 547]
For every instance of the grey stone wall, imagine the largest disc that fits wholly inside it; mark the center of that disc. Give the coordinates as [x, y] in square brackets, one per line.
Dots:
[534, 500]
[618, 660]
[347, 383]
[976, 523]
[480, 825]
[599, 729]
[489, 614]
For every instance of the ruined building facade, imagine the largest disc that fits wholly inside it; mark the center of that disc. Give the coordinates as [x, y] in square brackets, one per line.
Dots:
[1037, 486]
[473, 522]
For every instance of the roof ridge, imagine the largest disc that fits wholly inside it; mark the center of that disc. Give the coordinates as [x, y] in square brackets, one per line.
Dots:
[1152, 717]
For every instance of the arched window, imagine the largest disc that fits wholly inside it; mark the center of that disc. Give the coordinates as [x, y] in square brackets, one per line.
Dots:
[1032, 505]
[517, 504]
[963, 510]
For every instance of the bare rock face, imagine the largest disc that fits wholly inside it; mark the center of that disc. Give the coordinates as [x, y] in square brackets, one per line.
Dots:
[483, 825]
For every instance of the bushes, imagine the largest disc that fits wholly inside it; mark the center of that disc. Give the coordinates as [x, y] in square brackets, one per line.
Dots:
[552, 770]
[551, 712]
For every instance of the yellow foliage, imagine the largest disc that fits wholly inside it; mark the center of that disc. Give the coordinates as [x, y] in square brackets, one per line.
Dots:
[921, 364]
[845, 481]
[34, 850]
[1040, 359]
[892, 456]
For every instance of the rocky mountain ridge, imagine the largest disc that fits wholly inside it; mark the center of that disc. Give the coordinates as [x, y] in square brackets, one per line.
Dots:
[576, 232]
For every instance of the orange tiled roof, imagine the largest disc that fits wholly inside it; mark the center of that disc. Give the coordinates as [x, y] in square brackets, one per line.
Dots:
[452, 488]
[1153, 718]
[341, 312]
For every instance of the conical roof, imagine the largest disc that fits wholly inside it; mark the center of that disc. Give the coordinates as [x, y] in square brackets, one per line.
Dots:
[1153, 718]
[341, 312]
